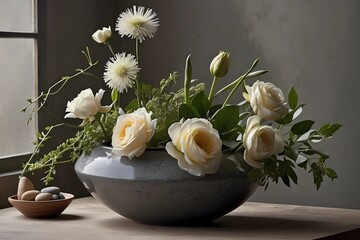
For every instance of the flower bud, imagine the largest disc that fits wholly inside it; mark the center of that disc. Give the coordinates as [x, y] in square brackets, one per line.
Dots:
[220, 64]
[101, 36]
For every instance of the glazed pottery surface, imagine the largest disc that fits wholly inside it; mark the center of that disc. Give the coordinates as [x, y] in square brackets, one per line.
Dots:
[152, 189]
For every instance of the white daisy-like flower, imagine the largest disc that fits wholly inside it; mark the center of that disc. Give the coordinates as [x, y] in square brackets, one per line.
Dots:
[121, 71]
[137, 23]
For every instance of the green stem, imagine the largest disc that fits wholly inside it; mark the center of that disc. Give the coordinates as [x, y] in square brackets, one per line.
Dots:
[110, 48]
[241, 80]
[58, 119]
[59, 85]
[48, 165]
[212, 90]
[103, 129]
[138, 87]
[44, 138]
[137, 50]
[116, 107]
[250, 75]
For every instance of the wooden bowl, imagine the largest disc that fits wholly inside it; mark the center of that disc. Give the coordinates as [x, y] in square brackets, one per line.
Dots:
[41, 209]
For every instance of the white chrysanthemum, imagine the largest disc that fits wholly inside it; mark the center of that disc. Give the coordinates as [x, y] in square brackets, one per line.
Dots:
[137, 23]
[121, 71]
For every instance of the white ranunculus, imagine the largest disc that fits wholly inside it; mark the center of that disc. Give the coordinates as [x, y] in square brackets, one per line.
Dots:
[101, 36]
[196, 145]
[266, 100]
[131, 133]
[86, 105]
[260, 142]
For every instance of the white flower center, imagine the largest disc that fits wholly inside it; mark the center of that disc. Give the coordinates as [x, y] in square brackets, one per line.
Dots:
[138, 23]
[201, 139]
[122, 132]
[121, 71]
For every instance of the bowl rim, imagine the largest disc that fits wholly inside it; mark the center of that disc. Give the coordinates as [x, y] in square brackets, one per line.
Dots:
[68, 196]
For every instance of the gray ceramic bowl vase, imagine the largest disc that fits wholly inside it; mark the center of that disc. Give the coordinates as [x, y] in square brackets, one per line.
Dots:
[152, 189]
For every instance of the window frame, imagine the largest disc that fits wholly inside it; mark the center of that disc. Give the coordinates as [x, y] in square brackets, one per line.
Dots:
[52, 63]
[10, 167]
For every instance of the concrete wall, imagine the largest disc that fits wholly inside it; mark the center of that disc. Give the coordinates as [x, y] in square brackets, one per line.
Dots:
[311, 45]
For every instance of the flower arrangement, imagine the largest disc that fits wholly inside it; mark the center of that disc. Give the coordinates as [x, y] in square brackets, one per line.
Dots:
[261, 131]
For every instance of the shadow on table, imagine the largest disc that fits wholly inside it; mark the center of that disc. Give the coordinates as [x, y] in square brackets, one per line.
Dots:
[226, 225]
[61, 217]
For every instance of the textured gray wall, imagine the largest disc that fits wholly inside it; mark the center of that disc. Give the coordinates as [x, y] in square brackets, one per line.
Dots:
[312, 45]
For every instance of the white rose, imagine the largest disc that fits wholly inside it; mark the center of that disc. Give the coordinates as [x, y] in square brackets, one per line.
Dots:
[85, 105]
[266, 100]
[196, 145]
[260, 142]
[131, 133]
[101, 36]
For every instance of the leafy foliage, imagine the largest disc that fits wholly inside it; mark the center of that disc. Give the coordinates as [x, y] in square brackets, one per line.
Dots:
[71, 149]
[192, 101]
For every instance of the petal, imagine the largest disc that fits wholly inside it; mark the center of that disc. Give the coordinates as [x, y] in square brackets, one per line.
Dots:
[249, 160]
[174, 131]
[267, 114]
[136, 152]
[252, 122]
[70, 115]
[246, 96]
[172, 151]
[99, 95]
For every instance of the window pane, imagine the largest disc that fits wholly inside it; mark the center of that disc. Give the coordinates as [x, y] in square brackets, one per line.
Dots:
[17, 83]
[17, 16]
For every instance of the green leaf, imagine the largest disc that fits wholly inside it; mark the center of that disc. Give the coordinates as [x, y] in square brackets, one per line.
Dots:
[214, 109]
[291, 152]
[231, 143]
[288, 118]
[317, 174]
[306, 135]
[302, 127]
[331, 173]
[132, 106]
[303, 165]
[329, 129]
[286, 180]
[187, 80]
[187, 111]
[201, 103]
[233, 134]
[293, 98]
[292, 174]
[227, 118]
[317, 152]
[168, 82]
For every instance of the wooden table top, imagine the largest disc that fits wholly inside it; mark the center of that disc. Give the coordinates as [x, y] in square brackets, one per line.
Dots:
[85, 218]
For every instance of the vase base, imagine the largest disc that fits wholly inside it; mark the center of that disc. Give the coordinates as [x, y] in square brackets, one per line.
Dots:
[152, 189]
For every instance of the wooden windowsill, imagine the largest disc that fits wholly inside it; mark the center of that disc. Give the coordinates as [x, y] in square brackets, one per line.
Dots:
[85, 218]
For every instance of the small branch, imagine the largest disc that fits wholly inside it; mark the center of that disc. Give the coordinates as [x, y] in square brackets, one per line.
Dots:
[38, 145]
[103, 129]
